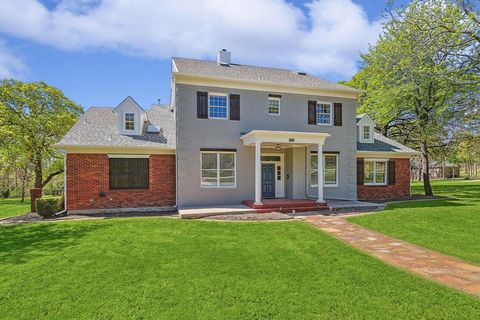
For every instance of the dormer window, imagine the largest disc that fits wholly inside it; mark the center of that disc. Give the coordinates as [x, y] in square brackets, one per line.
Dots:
[129, 121]
[367, 133]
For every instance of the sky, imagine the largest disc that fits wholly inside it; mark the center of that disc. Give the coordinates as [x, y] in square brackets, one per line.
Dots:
[100, 51]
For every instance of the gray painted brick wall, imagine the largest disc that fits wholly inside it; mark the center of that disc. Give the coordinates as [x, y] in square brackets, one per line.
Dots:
[193, 134]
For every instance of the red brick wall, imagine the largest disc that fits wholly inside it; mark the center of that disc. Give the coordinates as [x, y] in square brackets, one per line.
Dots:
[400, 190]
[87, 177]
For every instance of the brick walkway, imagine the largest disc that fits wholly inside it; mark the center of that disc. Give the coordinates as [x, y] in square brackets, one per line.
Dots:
[429, 264]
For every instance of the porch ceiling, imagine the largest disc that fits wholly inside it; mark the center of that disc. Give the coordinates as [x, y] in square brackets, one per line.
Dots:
[283, 137]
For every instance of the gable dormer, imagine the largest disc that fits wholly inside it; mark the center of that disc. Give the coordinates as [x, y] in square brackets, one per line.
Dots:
[130, 116]
[365, 127]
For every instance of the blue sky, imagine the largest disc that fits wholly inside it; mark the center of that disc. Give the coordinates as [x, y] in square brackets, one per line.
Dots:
[99, 51]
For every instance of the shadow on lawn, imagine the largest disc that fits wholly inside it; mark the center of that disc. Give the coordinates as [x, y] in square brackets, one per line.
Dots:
[425, 204]
[20, 243]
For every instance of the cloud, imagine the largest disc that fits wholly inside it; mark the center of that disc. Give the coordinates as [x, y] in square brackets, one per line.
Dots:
[325, 39]
[11, 66]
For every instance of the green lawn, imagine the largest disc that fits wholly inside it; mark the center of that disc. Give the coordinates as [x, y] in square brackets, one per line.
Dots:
[13, 206]
[162, 268]
[451, 226]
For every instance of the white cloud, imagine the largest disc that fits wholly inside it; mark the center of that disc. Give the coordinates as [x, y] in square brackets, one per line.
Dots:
[11, 66]
[272, 32]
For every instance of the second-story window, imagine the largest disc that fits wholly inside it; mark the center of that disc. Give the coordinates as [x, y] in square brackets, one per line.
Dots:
[129, 121]
[273, 105]
[324, 113]
[217, 106]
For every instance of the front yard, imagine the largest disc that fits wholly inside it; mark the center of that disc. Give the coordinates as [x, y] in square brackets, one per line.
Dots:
[13, 206]
[450, 226]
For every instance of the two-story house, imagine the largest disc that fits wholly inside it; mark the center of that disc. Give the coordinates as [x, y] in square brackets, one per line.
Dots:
[231, 134]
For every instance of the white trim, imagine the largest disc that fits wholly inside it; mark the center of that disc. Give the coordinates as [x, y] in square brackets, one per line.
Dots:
[218, 186]
[279, 105]
[380, 154]
[331, 113]
[375, 172]
[362, 133]
[280, 183]
[228, 104]
[129, 156]
[262, 85]
[325, 185]
[258, 136]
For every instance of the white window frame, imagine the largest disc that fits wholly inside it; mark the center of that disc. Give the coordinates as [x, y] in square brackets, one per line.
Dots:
[374, 183]
[312, 185]
[125, 122]
[331, 113]
[369, 133]
[218, 186]
[268, 106]
[228, 105]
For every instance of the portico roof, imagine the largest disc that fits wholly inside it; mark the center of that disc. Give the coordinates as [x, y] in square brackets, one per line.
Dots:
[259, 136]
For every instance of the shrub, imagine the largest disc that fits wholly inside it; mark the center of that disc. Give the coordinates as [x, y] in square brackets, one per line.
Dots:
[48, 206]
[6, 193]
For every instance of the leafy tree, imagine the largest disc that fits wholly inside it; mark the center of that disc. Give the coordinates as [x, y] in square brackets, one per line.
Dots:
[34, 116]
[412, 84]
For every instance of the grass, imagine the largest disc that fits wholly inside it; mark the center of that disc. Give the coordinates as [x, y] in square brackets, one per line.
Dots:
[13, 206]
[451, 226]
[154, 268]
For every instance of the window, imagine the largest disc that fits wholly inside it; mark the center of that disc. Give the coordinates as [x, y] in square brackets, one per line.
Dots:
[273, 106]
[129, 121]
[330, 173]
[128, 173]
[366, 133]
[218, 169]
[375, 172]
[217, 106]
[324, 113]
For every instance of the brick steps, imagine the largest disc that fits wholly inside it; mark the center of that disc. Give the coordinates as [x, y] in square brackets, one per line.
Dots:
[286, 205]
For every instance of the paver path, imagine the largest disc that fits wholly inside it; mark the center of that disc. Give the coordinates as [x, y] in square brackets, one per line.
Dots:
[430, 264]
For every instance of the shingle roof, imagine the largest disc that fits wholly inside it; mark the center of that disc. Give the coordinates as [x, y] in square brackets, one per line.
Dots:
[383, 144]
[252, 73]
[99, 127]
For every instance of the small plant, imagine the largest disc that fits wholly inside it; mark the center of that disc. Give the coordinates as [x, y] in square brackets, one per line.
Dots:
[48, 206]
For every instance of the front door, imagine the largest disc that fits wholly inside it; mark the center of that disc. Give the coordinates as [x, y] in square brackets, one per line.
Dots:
[268, 180]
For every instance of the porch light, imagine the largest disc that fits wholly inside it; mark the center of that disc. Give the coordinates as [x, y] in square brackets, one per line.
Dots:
[277, 148]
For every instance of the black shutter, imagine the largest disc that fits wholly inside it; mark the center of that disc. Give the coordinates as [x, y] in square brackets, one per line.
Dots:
[337, 114]
[360, 171]
[391, 172]
[234, 107]
[312, 112]
[202, 105]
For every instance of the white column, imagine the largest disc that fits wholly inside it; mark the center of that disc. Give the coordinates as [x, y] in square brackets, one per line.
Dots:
[258, 173]
[320, 172]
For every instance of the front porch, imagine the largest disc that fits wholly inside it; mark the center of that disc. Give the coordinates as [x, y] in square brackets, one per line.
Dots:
[270, 179]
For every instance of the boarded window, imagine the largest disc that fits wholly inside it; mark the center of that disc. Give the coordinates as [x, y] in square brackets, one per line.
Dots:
[128, 173]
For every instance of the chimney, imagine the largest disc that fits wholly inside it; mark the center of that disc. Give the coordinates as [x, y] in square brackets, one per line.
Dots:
[224, 57]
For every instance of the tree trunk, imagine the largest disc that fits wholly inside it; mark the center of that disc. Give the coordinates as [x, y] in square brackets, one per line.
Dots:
[24, 183]
[38, 172]
[425, 169]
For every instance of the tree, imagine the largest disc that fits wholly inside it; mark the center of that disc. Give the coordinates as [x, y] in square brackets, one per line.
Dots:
[469, 152]
[411, 81]
[34, 116]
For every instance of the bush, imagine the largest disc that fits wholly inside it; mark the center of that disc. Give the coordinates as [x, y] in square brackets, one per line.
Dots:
[48, 206]
[6, 194]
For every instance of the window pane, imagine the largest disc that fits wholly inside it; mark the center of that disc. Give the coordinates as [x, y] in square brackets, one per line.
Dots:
[273, 106]
[209, 178]
[313, 162]
[227, 161]
[227, 178]
[218, 106]
[129, 121]
[128, 173]
[366, 132]
[369, 171]
[330, 169]
[314, 177]
[380, 172]
[209, 161]
[323, 113]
